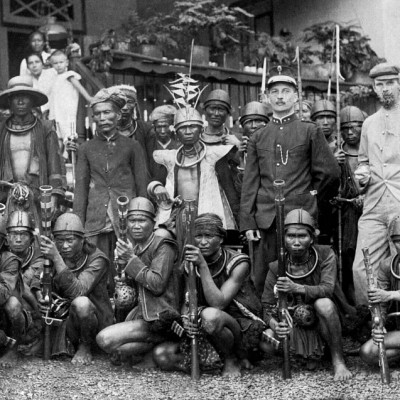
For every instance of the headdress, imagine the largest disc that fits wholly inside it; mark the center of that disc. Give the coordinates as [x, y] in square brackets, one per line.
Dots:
[108, 95]
[211, 223]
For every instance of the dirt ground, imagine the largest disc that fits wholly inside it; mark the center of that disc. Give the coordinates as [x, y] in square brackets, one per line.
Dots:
[33, 378]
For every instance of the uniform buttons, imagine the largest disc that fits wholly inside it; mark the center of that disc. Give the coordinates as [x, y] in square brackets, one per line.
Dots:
[281, 128]
[277, 164]
[105, 205]
[381, 148]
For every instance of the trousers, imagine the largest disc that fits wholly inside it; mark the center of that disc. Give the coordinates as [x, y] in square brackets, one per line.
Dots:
[373, 234]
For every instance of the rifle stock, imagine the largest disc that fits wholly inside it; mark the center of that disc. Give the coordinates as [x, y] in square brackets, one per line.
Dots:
[377, 320]
[190, 214]
[282, 297]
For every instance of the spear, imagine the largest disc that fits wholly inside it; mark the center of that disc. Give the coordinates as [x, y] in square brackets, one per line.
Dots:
[331, 66]
[299, 83]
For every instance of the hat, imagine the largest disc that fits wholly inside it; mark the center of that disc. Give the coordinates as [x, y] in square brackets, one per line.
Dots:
[23, 85]
[323, 107]
[128, 90]
[162, 112]
[20, 220]
[254, 110]
[301, 217]
[68, 223]
[187, 116]
[142, 206]
[386, 70]
[281, 74]
[218, 97]
[351, 114]
[109, 95]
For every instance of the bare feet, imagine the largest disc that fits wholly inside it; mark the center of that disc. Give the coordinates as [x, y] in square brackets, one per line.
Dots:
[83, 356]
[341, 373]
[147, 362]
[9, 359]
[246, 364]
[231, 368]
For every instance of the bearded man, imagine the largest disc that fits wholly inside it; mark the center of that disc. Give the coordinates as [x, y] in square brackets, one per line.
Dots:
[378, 173]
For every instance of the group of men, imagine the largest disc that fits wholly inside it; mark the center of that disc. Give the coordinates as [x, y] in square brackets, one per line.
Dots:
[190, 192]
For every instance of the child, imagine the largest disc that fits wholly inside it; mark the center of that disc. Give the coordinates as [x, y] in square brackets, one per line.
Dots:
[64, 96]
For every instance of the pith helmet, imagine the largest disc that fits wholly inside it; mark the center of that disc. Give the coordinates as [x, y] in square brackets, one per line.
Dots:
[218, 97]
[187, 116]
[351, 114]
[141, 205]
[254, 110]
[300, 217]
[20, 220]
[68, 223]
[323, 107]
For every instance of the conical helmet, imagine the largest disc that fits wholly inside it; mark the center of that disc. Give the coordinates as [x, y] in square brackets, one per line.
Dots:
[253, 110]
[68, 223]
[20, 220]
[187, 116]
[300, 217]
[323, 107]
[351, 114]
[218, 97]
[141, 205]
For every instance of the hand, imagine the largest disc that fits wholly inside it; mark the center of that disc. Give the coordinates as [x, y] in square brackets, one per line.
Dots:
[253, 235]
[282, 330]
[340, 156]
[48, 248]
[71, 145]
[124, 250]
[193, 254]
[54, 199]
[231, 140]
[161, 194]
[190, 328]
[359, 201]
[376, 296]
[378, 335]
[243, 144]
[363, 174]
[41, 303]
[286, 285]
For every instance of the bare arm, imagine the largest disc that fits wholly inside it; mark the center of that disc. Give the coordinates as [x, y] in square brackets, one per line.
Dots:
[78, 86]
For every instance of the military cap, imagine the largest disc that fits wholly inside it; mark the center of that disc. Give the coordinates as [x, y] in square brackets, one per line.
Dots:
[281, 74]
[384, 71]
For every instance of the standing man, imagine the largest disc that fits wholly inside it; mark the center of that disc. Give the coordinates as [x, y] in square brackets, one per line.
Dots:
[287, 149]
[110, 165]
[378, 173]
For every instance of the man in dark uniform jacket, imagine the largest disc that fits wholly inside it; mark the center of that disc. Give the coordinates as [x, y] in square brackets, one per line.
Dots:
[287, 149]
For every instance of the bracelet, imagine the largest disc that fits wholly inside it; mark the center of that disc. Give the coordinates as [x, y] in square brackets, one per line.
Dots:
[152, 186]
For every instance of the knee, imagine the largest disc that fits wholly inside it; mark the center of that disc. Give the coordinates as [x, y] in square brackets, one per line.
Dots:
[13, 307]
[103, 340]
[324, 307]
[81, 306]
[368, 352]
[165, 354]
[210, 318]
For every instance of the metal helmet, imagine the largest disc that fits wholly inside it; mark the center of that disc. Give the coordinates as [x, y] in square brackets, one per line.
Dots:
[254, 110]
[20, 220]
[300, 217]
[218, 97]
[323, 107]
[68, 223]
[351, 114]
[187, 116]
[143, 206]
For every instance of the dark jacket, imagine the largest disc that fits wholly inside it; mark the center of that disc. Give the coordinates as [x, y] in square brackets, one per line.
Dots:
[296, 152]
[153, 270]
[107, 169]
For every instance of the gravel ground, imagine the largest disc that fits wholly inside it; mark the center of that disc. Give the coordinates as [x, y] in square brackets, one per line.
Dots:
[59, 379]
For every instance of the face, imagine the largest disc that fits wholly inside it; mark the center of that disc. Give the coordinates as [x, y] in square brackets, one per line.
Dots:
[140, 227]
[106, 117]
[326, 123]
[68, 245]
[21, 104]
[35, 65]
[162, 130]
[189, 134]
[208, 243]
[282, 97]
[59, 63]
[37, 43]
[19, 241]
[388, 91]
[128, 109]
[297, 241]
[306, 112]
[251, 125]
[216, 115]
[351, 133]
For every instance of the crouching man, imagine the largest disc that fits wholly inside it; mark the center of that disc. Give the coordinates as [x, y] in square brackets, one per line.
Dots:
[310, 283]
[387, 294]
[80, 279]
[150, 265]
[226, 300]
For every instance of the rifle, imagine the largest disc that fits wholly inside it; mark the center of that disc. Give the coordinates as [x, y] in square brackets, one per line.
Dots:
[377, 320]
[282, 297]
[189, 214]
[125, 296]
